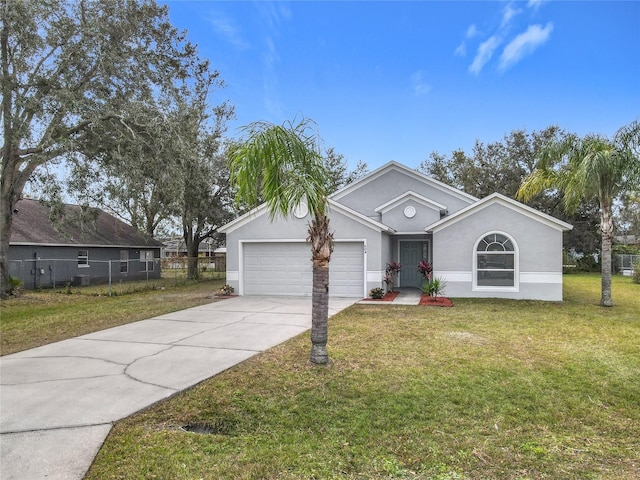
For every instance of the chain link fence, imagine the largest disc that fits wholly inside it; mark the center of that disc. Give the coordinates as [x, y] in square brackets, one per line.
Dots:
[54, 273]
[624, 263]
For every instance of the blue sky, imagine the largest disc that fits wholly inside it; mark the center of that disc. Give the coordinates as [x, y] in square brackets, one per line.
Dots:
[398, 80]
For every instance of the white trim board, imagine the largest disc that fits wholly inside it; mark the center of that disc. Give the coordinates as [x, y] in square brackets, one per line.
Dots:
[525, 277]
[400, 199]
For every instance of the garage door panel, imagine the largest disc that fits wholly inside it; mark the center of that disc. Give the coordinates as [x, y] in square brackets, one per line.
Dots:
[286, 269]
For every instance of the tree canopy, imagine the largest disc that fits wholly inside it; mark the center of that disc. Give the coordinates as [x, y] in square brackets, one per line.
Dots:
[73, 72]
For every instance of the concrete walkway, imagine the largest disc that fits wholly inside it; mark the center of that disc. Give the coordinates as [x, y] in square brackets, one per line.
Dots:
[406, 296]
[58, 402]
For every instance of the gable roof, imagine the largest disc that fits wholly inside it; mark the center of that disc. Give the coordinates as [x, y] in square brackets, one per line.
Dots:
[400, 199]
[496, 198]
[407, 171]
[32, 226]
[262, 210]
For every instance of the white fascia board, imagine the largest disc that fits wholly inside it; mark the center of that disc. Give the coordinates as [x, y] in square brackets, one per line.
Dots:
[408, 171]
[506, 202]
[244, 219]
[358, 217]
[393, 203]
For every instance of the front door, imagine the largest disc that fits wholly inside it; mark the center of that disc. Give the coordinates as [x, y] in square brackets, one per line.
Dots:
[411, 253]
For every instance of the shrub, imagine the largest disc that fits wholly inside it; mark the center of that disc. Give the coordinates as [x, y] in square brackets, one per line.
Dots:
[227, 289]
[434, 287]
[376, 293]
[14, 285]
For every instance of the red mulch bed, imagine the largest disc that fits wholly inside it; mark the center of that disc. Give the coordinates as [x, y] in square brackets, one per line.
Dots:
[388, 297]
[438, 302]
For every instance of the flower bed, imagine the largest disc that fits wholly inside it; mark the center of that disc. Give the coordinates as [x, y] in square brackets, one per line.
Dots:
[435, 302]
[388, 297]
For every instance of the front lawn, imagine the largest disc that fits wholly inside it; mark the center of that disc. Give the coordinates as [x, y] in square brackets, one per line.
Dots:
[484, 390]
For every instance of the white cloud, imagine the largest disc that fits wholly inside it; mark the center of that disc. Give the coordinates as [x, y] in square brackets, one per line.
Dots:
[484, 54]
[524, 44]
[536, 4]
[227, 30]
[471, 32]
[507, 15]
[419, 83]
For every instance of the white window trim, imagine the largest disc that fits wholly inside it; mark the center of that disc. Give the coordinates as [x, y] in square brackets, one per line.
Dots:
[516, 266]
[83, 265]
[147, 261]
[125, 262]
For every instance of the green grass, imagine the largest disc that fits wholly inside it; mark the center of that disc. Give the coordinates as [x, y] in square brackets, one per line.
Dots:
[485, 390]
[37, 318]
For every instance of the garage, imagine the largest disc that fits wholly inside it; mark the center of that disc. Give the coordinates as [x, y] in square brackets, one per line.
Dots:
[284, 268]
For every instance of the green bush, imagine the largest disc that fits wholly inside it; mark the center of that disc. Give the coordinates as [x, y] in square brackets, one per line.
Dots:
[435, 287]
[376, 293]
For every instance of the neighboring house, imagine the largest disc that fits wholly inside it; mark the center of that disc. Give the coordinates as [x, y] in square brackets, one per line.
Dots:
[43, 253]
[174, 254]
[494, 247]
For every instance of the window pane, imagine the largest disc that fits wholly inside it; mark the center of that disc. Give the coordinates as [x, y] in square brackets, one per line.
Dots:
[495, 279]
[83, 257]
[496, 261]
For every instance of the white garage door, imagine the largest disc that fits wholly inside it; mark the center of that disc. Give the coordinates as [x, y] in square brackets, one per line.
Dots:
[286, 269]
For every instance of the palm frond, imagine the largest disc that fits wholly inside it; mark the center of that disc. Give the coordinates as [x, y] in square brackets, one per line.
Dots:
[282, 165]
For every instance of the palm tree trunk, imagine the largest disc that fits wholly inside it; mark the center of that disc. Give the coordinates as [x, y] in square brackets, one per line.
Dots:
[320, 314]
[606, 230]
[321, 247]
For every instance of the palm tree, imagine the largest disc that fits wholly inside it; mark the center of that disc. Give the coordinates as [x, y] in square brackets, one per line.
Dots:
[584, 168]
[282, 165]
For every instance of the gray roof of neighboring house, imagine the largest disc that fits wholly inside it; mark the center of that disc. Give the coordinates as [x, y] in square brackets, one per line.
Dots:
[32, 225]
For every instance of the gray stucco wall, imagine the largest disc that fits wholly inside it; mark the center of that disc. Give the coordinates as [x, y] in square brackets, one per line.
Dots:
[396, 219]
[392, 184]
[539, 254]
[45, 266]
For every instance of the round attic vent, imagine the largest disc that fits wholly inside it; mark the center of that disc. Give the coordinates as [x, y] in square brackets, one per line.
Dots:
[410, 211]
[301, 210]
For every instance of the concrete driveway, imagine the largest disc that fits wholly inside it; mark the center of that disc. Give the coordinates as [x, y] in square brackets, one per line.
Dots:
[58, 402]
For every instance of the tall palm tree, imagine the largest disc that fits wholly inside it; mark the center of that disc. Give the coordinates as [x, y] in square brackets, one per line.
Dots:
[583, 168]
[282, 165]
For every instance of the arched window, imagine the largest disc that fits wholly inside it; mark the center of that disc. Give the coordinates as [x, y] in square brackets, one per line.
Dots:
[496, 262]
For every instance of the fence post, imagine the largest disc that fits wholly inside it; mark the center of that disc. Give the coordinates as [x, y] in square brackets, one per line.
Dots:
[110, 277]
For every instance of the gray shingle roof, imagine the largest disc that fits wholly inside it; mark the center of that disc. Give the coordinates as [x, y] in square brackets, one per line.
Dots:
[32, 225]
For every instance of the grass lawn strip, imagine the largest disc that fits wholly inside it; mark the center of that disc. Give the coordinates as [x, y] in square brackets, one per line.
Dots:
[38, 318]
[484, 390]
